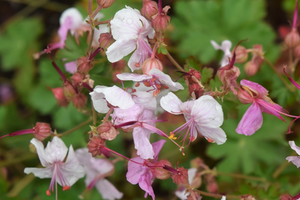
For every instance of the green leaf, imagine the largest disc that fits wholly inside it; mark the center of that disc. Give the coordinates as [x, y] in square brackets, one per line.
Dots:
[219, 20]
[244, 153]
[192, 62]
[206, 73]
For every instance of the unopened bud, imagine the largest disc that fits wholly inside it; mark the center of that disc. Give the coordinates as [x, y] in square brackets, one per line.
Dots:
[79, 100]
[179, 175]
[151, 63]
[105, 3]
[60, 97]
[105, 40]
[212, 186]
[69, 90]
[196, 163]
[241, 54]
[159, 172]
[292, 39]
[297, 51]
[161, 21]
[149, 9]
[84, 65]
[251, 68]
[95, 145]
[77, 78]
[107, 131]
[42, 130]
[247, 197]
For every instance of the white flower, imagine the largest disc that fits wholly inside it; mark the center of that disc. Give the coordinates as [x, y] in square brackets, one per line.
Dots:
[96, 170]
[203, 115]
[225, 47]
[294, 159]
[52, 158]
[74, 15]
[181, 194]
[130, 30]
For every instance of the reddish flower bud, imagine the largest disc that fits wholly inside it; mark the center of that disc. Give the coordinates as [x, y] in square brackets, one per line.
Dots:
[179, 175]
[241, 54]
[105, 3]
[69, 90]
[212, 186]
[77, 78]
[105, 40]
[107, 131]
[97, 146]
[161, 21]
[149, 9]
[60, 97]
[79, 100]
[285, 197]
[84, 65]
[151, 63]
[292, 39]
[197, 163]
[42, 130]
[247, 197]
[251, 68]
[159, 172]
[228, 77]
[192, 79]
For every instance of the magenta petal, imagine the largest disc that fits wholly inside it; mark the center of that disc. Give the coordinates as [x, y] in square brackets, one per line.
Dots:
[157, 147]
[135, 171]
[271, 108]
[255, 86]
[251, 121]
[145, 184]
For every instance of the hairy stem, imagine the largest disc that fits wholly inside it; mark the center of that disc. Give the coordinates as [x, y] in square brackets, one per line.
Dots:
[174, 62]
[76, 127]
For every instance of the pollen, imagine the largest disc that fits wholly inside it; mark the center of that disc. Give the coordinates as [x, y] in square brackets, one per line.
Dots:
[66, 188]
[210, 140]
[172, 136]
[48, 192]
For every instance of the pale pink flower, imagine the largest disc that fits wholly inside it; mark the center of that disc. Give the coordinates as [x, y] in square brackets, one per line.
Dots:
[181, 192]
[65, 173]
[256, 94]
[203, 115]
[96, 170]
[141, 173]
[294, 159]
[131, 31]
[225, 47]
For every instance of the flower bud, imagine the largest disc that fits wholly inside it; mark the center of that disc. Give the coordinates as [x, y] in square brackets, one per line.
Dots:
[212, 186]
[297, 51]
[286, 197]
[79, 100]
[151, 63]
[107, 131]
[161, 21]
[69, 90]
[292, 39]
[60, 97]
[159, 172]
[105, 3]
[42, 130]
[95, 145]
[251, 68]
[247, 197]
[244, 95]
[105, 40]
[149, 9]
[241, 54]
[228, 77]
[77, 78]
[84, 65]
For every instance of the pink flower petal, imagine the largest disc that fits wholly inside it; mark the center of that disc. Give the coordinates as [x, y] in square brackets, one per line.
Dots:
[142, 143]
[255, 86]
[294, 147]
[145, 184]
[157, 147]
[135, 171]
[108, 190]
[251, 121]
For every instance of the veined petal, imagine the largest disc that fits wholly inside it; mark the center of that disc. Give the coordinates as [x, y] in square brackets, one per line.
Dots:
[294, 159]
[133, 77]
[108, 190]
[40, 172]
[99, 102]
[251, 121]
[207, 112]
[142, 143]
[103, 166]
[119, 49]
[71, 169]
[118, 97]
[146, 99]
[145, 184]
[143, 52]
[171, 103]
[294, 147]
[166, 80]
[56, 150]
[135, 171]
[215, 134]
[45, 161]
[255, 86]
[271, 108]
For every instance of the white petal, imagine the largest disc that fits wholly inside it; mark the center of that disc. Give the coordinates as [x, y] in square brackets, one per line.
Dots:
[142, 143]
[133, 77]
[41, 152]
[166, 80]
[119, 49]
[215, 45]
[108, 190]
[215, 134]
[207, 112]
[40, 172]
[56, 150]
[102, 166]
[99, 102]
[147, 100]
[223, 198]
[294, 147]
[191, 174]
[71, 169]
[76, 16]
[143, 52]
[181, 194]
[171, 103]
[294, 159]
[118, 97]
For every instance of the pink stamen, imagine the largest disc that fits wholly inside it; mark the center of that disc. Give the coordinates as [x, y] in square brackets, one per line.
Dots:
[295, 15]
[20, 132]
[290, 78]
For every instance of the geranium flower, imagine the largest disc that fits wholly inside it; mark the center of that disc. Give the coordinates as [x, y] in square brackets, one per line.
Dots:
[181, 192]
[225, 47]
[96, 170]
[142, 173]
[52, 158]
[203, 115]
[130, 30]
[256, 94]
[294, 159]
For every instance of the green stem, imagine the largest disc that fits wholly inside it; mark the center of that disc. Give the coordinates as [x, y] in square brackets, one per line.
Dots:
[174, 62]
[76, 127]
[287, 85]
